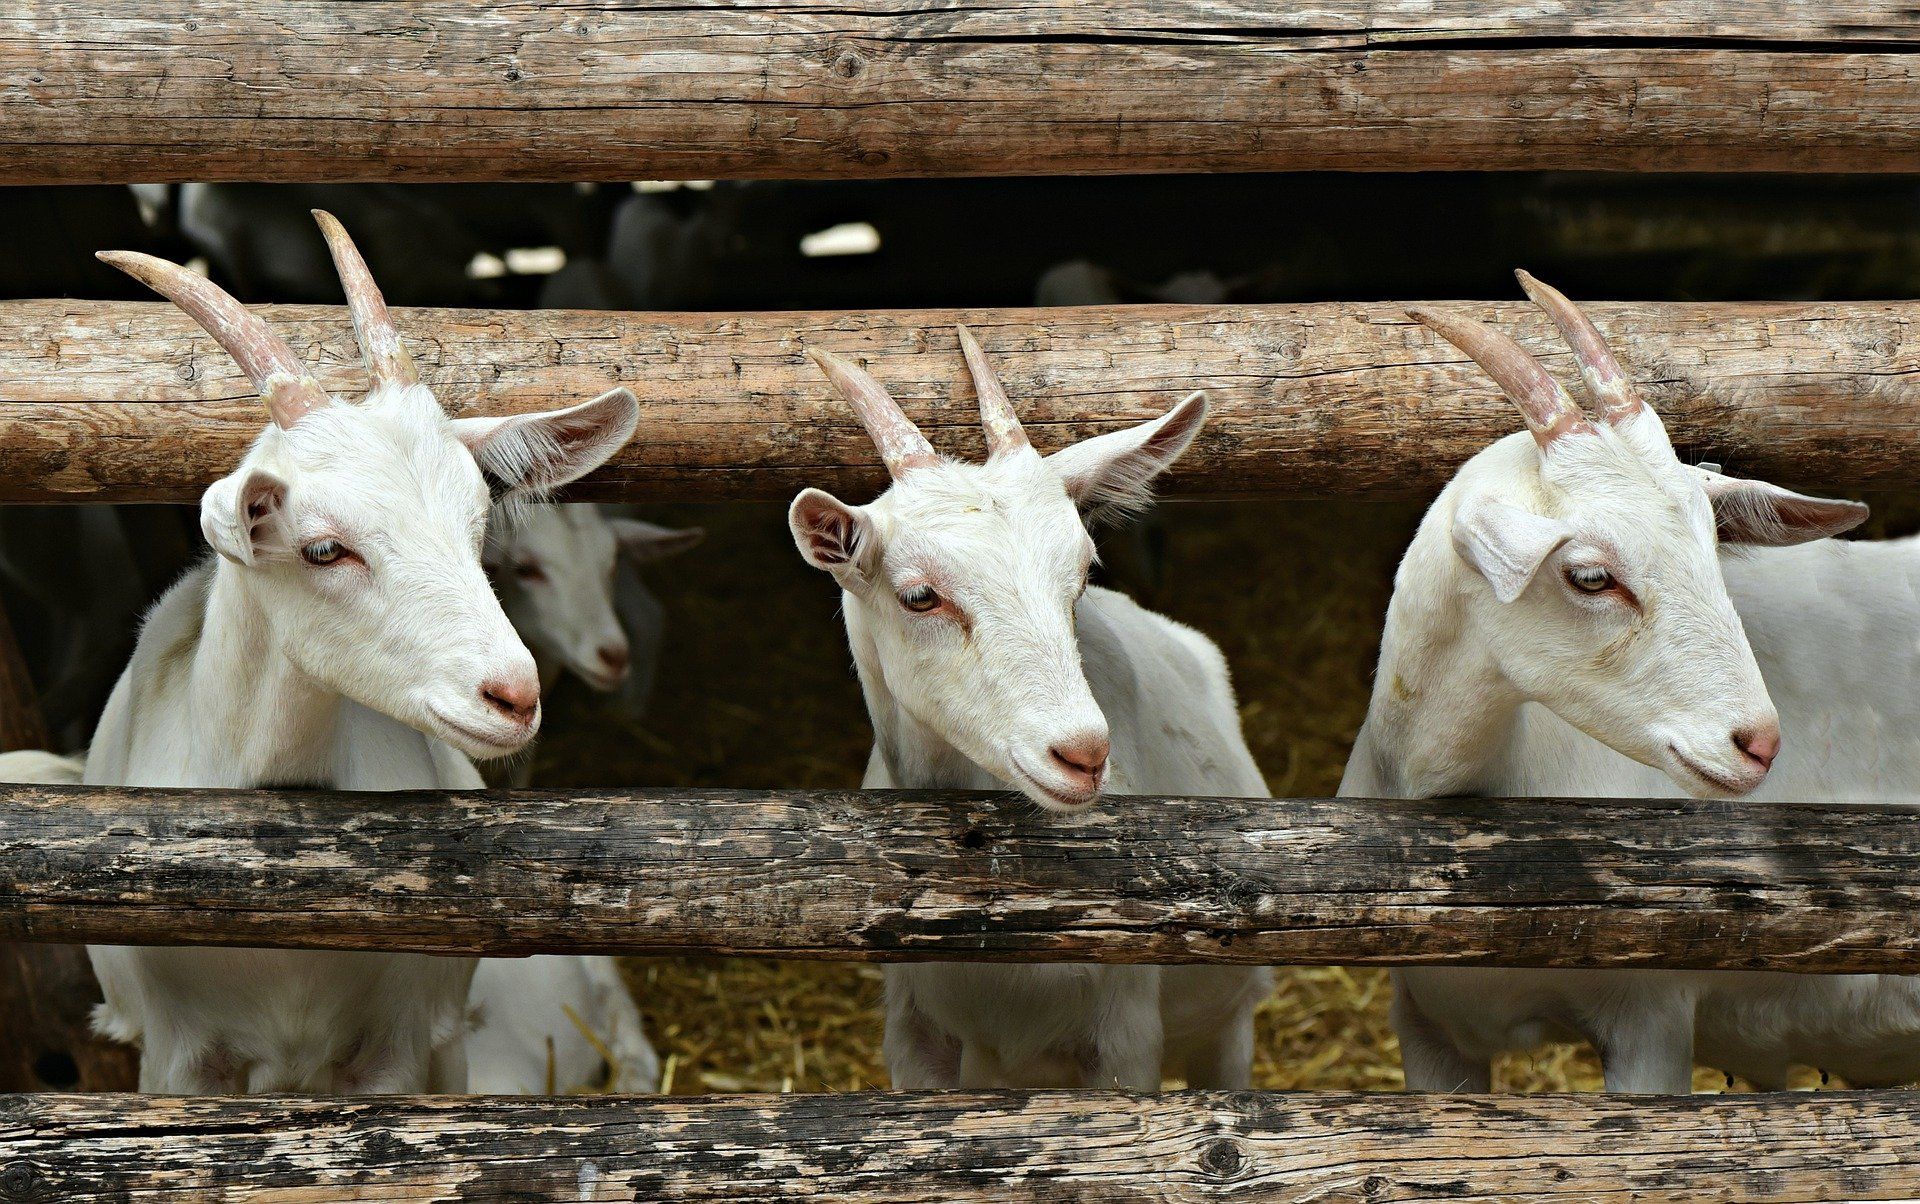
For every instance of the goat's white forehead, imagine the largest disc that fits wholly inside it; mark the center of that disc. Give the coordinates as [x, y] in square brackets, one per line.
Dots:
[1611, 478]
[970, 514]
[396, 446]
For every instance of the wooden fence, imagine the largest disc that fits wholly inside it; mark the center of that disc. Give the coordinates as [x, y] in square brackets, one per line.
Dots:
[921, 875]
[939, 1148]
[131, 402]
[110, 402]
[559, 90]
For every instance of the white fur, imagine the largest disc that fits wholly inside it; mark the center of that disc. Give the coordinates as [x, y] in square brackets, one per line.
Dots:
[1487, 640]
[261, 669]
[978, 702]
[527, 1014]
[1833, 626]
[556, 569]
[532, 1020]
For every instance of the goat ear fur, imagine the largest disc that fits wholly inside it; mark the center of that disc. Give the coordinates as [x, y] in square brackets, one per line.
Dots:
[1505, 544]
[1758, 514]
[240, 514]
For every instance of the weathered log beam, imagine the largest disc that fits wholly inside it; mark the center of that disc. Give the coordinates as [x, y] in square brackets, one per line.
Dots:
[955, 1148]
[890, 876]
[130, 402]
[549, 90]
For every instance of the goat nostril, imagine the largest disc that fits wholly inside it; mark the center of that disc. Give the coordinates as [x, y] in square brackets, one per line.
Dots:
[1760, 744]
[1086, 755]
[512, 700]
[614, 657]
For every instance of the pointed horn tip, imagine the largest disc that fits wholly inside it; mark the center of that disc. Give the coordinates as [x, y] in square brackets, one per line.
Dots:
[326, 220]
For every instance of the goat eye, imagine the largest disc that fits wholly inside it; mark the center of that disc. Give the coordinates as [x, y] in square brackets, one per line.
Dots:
[323, 552]
[1590, 579]
[529, 572]
[919, 598]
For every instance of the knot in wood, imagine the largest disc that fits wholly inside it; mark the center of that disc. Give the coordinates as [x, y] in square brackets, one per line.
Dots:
[1222, 1158]
[873, 158]
[848, 64]
[22, 1180]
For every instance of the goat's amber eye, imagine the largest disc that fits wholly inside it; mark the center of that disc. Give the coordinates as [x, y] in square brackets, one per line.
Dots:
[323, 552]
[1590, 579]
[529, 572]
[919, 598]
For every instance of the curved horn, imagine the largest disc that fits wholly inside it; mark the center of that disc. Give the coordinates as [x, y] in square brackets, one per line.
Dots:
[1610, 386]
[1002, 425]
[901, 445]
[1549, 412]
[282, 381]
[380, 347]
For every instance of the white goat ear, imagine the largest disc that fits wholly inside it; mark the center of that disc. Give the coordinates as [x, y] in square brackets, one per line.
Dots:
[240, 514]
[533, 454]
[1758, 514]
[1506, 545]
[830, 534]
[1117, 470]
[645, 542]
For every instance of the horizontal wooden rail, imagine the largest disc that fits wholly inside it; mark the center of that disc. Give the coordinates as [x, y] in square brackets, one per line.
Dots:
[558, 90]
[953, 1148]
[891, 876]
[130, 402]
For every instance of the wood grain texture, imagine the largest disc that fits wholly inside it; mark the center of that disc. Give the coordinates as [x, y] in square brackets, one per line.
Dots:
[595, 90]
[130, 402]
[889, 876]
[960, 1148]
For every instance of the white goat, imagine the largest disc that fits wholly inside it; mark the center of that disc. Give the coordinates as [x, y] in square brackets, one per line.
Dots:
[537, 1025]
[1570, 577]
[345, 637]
[556, 568]
[987, 663]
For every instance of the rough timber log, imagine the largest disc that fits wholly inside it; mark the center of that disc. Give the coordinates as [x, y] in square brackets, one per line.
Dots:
[887, 876]
[959, 1148]
[130, 402]
[560, 90]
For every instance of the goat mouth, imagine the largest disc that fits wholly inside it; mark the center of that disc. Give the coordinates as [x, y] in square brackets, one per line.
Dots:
[485, 739]
[1717, 780]
[1072, 801]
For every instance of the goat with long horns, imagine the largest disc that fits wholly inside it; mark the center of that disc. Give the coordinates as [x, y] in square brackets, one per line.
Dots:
[345, 637]
[988, 663]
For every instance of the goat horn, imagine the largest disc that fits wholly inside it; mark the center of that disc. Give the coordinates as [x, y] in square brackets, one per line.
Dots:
[1549, 412]
[1004, 433]
[283, 382]
[388, 363]
[1611, 388]
[901, 446]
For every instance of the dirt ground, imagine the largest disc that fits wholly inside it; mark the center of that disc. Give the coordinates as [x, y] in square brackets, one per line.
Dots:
[756, 689]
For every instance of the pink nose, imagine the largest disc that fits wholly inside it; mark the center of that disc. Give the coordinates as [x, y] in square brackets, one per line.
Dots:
[514, 700]
[613, 657]
[1761, 743]
[1082, 756]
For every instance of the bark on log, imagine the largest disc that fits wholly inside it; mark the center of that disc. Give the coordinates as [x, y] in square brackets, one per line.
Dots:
[547, 90]
[890, 876]
[958, 1148]
[117, 402]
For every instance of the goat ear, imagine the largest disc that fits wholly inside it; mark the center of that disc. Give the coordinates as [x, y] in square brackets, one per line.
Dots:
[1117, 470]
[1757, 514]
[533, 454]
[831, 535]
[240, 514]
[1505, 544]
[645, 542]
